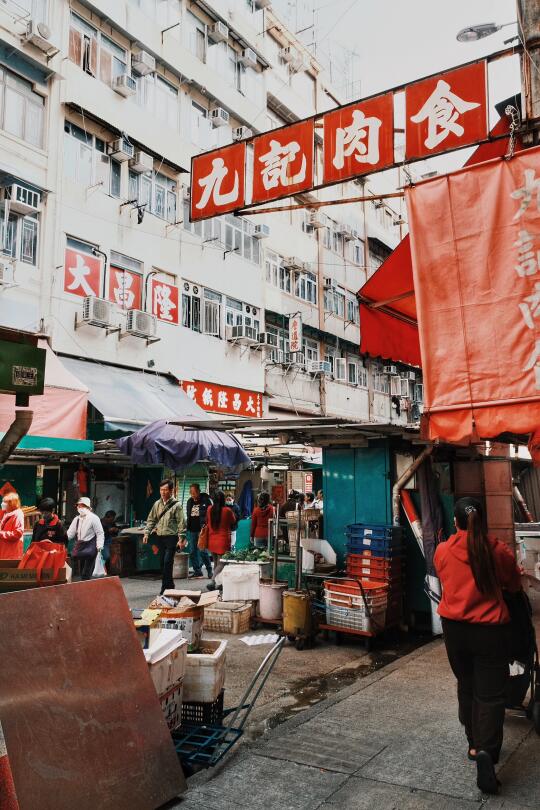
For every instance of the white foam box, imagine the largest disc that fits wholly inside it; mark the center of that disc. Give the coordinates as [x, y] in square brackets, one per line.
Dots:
[240, 582]
[168, 668]
[205, 672]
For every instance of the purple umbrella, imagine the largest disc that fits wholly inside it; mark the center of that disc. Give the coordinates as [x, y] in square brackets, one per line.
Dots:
[174, 447]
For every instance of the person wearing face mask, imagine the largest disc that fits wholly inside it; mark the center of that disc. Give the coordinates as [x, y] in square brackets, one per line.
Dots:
[87, 531]
[49, 526]
[11, 528]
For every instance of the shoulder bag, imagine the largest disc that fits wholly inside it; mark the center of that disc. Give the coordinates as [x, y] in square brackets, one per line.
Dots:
[170, 505]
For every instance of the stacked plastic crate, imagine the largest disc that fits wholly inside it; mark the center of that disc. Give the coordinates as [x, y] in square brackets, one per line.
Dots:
[354, 605]
[375, 555]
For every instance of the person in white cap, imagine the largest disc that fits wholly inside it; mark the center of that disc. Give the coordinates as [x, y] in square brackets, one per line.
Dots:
[87, 531]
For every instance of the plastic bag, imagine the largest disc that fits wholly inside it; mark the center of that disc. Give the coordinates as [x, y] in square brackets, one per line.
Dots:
[99, 568]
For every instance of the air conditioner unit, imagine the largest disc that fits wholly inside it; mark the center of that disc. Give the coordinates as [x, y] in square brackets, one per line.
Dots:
[261, 231]
[248, 57]
[219, 117]
[410, 375]
[141, 162]
[316, 219]
[294, 359]
[268, 339]
[259, 4]
[299, 63]
[288, 54]
[143, 63]
[330, 283]
[242, 334]
[39, 35]
[141, 324]
[125, 85]
[391, 370]
[121, 149]
[340, 369]
[218, 32]
[186, 193]
[277, 356]
[21, 200]
[319, 367]
[97, 311]
[345, 230]
[6, 274]
[239, 133]
[292, 263]
[307, 267]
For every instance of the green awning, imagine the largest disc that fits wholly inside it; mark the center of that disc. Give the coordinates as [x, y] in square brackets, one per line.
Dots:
[55, 445]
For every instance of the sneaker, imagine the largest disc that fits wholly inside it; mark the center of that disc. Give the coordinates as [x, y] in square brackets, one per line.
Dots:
[196, 575]
[486, 779]
[209, 572]
[211, 586]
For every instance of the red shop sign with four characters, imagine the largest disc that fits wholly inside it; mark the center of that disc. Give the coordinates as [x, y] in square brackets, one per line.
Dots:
[224, 398]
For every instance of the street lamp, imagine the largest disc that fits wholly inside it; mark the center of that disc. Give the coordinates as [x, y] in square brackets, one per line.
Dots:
[475, 32]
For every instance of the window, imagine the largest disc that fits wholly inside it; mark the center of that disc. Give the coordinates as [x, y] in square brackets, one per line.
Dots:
[337, 243]
[22, 110]
[160, 99]
[327, 238]
[80, 246]
[156, 191]
[201, 128]
[362, 375]
[195, 36]
[191, 308]
[86, 161]
[276, 274]
[239, 237]
[306, 227]
[283, 346]
[330, 357]
[380, 380]
[353, 311]
[125, 281]
[310, 349]
[19, 237]
[212, 313]
[97, 54]
[357, 252]
[352, 373]
[306, 287]
[233, 312]
[112, 60]
[334, 302]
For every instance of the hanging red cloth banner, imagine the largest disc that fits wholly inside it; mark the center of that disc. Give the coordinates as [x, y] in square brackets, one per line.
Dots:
[475, 244]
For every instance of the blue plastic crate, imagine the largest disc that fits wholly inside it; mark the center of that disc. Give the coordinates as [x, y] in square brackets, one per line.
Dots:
[374, 532]
[380, 548]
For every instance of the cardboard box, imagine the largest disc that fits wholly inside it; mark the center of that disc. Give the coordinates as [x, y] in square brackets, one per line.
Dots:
[13, 578]
[171, 705]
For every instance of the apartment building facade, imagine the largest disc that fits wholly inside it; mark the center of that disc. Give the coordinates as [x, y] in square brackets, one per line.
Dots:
[102, 106]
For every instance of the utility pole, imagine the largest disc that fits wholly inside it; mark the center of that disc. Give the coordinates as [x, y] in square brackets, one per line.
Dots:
[528, 14]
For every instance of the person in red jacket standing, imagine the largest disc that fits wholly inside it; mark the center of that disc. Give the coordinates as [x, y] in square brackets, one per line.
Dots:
[11, 528]
[262, 514]
[221, 522]
[475, 569]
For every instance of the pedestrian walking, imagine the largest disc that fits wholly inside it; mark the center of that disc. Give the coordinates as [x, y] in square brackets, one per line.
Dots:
[475, 570]
[229, 501]
[261, 517]
[110, 531]
[11, 528]
[166, 526]
[221, 522]
[87, 532]
[196, 509]
[49, 526]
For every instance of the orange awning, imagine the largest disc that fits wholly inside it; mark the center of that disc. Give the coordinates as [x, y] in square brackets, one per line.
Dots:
[389, 327]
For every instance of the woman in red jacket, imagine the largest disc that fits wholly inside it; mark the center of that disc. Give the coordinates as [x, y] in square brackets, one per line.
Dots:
[474, 570]
[262, 514]
[11, 528]
[221, 521]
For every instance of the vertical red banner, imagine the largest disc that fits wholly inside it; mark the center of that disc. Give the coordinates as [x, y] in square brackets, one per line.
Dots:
[447, 111]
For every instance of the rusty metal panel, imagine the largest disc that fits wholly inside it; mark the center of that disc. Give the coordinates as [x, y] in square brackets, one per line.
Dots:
[82, 722]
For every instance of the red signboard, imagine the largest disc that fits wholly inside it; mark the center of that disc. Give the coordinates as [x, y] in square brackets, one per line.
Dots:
[82, 273]
[125, 288]
[477, 283]
[165, 301]
[358, 138]
[217, 181]
[446, 112]
[295, 333]
[283, 162]
[225, 399]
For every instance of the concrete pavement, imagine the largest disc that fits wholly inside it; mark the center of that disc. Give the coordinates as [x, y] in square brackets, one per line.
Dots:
[391, 741]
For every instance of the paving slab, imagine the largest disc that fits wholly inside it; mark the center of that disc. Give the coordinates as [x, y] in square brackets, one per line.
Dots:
[520, 774]
[366, 794]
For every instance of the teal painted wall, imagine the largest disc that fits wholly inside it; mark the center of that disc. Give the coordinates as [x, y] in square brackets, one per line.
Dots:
[357, 489]
[23, 479]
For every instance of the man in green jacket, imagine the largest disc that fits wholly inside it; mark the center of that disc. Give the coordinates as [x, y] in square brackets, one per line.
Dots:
[166, 521]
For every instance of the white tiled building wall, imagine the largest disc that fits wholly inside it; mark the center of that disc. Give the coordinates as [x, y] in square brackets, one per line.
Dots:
[60, 113]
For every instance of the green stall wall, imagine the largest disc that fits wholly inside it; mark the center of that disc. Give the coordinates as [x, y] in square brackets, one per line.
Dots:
[23, 479]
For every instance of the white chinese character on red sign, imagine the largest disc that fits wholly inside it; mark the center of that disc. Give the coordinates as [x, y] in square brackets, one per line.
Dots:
[123, 294]
[529, 260]
[352, 139]
[191, 391]
[222, 399]
[237, 401]
[163, 305]
[442, 110]
[80, 272]
[212, 186]
[534, 362]
[250, 405]
[525, 193]
[276, 165]
[208, 398]
[530, 307]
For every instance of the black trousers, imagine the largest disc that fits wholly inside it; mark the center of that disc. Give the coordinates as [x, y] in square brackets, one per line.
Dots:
[478, 655]
[167, 549]
[86, 566]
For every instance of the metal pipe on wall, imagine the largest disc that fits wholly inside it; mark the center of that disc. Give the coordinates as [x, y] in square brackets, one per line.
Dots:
[404, 478]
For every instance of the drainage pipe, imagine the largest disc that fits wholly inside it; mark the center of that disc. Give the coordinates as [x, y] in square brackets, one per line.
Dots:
[404, 478]
[16, 431]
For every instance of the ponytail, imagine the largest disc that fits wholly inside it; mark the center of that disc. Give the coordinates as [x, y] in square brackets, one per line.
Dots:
[468, 514]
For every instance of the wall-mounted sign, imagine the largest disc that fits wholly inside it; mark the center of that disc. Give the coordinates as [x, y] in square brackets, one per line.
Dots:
[225, 398]
[295, 333]
[82, 273]
[165, 301]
